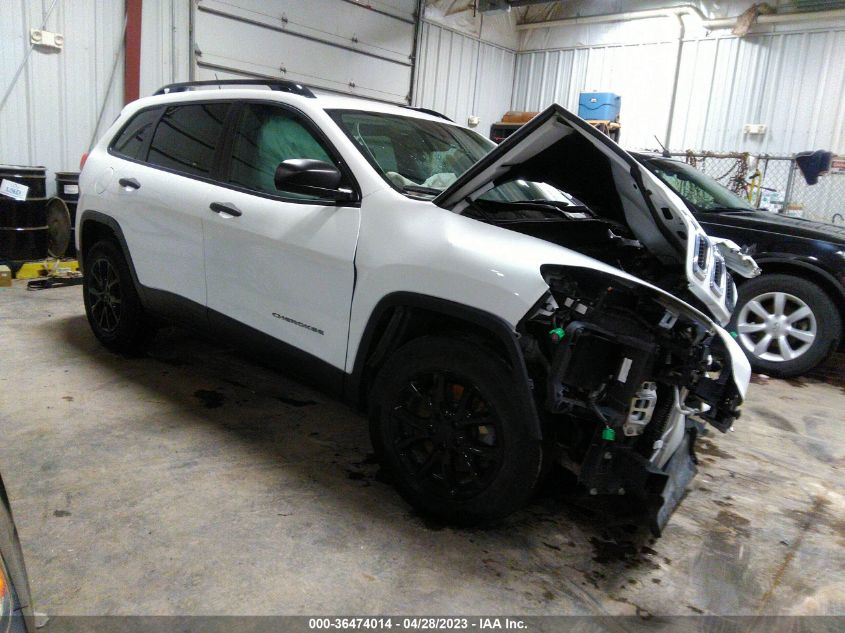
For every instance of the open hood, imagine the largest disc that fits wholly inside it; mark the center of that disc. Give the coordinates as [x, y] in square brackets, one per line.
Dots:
[558, 148]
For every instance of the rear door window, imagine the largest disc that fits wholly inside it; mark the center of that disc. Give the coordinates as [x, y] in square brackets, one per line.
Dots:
[187, 137]
[132, 140]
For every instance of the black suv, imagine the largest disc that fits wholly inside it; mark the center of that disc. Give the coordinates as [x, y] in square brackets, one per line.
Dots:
[789, 319]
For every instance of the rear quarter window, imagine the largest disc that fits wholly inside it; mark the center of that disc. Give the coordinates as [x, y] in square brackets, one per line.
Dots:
[132, 140]
[187, 137]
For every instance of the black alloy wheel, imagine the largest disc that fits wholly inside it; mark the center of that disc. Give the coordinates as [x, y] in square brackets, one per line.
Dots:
[447, 436]
[105, 295]
[112, 305]
[452, 424]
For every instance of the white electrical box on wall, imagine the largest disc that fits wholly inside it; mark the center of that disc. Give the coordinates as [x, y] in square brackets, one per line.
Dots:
[46, 39]
[754, 128]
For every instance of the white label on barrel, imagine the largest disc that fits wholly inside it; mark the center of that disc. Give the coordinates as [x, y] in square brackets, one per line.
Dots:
[13, 189]
[71, 190]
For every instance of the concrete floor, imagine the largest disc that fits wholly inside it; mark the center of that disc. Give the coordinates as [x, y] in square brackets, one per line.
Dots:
[192, 481]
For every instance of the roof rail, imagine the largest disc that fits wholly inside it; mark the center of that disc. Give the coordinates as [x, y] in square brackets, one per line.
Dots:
[274, 84]
[439, 115]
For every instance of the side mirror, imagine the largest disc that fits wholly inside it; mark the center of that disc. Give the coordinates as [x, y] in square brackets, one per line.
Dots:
[311, 177]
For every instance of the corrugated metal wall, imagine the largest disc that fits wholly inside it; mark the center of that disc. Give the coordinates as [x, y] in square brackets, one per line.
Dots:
[461, 76]
[641, 73]
[792, 82]
[51, 114]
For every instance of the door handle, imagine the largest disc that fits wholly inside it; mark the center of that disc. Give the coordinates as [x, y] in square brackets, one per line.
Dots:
[225, 207]
[129, 183]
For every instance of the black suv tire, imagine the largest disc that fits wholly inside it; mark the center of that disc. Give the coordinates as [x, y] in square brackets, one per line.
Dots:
[823, 320]
[445, 423]
[112, 305]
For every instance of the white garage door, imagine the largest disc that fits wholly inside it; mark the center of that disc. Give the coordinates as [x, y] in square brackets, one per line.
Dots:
[361, 48]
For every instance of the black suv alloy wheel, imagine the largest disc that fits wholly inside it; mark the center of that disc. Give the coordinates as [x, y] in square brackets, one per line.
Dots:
[446, 435]
[112, 305]
[446, 422]
[105, 295]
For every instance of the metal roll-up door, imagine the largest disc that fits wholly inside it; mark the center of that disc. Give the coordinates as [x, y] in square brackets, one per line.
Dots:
[364, 49]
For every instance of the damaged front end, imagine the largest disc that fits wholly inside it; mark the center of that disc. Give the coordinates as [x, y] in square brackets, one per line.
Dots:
[626, 377]
[626, 370]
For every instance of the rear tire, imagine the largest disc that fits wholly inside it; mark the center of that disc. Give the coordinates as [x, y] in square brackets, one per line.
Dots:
[112, 304]
[445, 423]
[768, 306]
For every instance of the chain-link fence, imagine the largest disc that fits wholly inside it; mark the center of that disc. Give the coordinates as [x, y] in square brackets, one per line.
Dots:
[775, 183]
[824, 201]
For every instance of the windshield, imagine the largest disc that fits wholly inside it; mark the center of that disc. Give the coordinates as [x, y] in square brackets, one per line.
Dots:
[697, 188]
[422, 158]
[410, 153]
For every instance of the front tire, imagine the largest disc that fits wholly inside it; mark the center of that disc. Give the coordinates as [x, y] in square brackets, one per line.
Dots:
[446, 424]
[112, 305]
[786, 325]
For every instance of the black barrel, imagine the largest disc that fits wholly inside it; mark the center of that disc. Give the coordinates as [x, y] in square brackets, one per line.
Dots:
[23, 244]
[67, 185]
[23, 223]
[33, 177]
[27, 214]
[67, 188]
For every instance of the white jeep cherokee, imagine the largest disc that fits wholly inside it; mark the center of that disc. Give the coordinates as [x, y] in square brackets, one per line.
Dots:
[494, 309]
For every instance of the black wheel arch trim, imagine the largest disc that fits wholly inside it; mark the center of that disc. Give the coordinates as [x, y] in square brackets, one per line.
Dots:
[402, 304]
[97, 217]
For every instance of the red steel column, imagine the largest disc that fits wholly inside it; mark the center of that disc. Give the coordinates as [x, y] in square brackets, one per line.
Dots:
[132, 50]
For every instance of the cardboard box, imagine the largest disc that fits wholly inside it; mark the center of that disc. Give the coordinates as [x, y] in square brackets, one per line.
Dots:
[5, 276]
